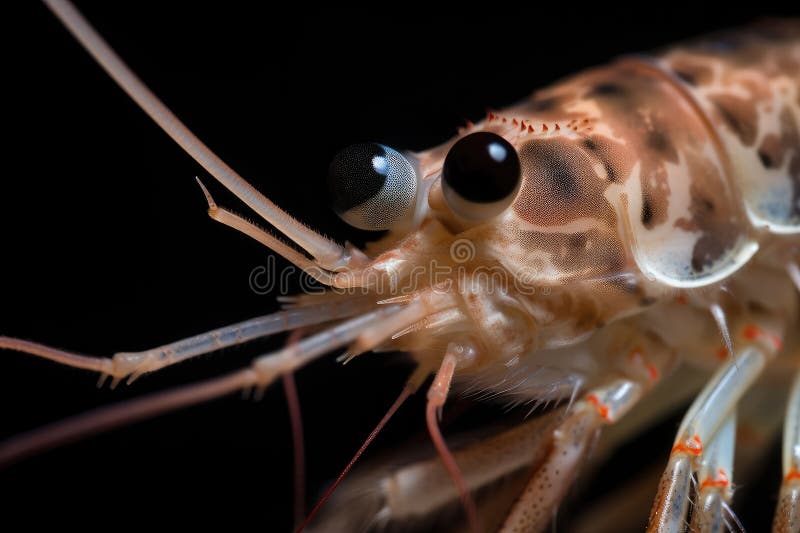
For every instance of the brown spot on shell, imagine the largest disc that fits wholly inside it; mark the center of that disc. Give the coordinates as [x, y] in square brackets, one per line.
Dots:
[771, 151]
[647, 211]
[774, 149]
[692, 72]
[559, 184]
[545, 104]
[686, 77]
[719, 227]
[660, 142]
[577, 240]
[606, 89]
[739, 115]
[655, 195]
[611, 155]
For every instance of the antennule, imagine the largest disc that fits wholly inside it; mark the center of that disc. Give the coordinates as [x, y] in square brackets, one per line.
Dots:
[327, 253]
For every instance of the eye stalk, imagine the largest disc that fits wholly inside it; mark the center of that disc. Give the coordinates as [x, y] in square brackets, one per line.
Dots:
[480, 176]
[372, 186]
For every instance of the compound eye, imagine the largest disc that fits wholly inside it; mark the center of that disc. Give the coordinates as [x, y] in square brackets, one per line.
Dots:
[480, 176]
[372, 186]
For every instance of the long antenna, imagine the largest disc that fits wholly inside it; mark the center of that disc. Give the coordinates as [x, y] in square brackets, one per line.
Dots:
[326, 252]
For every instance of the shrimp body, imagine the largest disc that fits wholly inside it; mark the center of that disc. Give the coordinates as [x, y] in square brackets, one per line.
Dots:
[641, 180]
[575, 246]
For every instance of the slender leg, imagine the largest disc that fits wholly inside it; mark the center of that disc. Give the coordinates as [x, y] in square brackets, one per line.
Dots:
[411, 386]
[714, 481]
[437, 395]
[298, 440]
[262, 372]
[705, 417]
[423, 488]
[643, 365]
[134, 364]
[787, 514]
[572, 442]
[106, 418]
[626, 507]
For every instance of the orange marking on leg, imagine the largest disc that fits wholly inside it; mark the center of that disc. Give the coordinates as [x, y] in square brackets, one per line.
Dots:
[602, 410]
[720, 481]
[637, 354]
[722, 353]
[752, 332]
[651, 368]
[793, 475]
[681, 299]
[777, 342]
[691, 446]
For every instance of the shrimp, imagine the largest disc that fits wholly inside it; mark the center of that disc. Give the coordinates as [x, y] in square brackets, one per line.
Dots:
[597, 401]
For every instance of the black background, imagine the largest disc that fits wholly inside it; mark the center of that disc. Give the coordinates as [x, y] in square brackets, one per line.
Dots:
[106, 246]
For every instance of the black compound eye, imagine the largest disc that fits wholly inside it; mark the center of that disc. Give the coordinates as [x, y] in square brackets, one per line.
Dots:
[372, 186]
[480, 176]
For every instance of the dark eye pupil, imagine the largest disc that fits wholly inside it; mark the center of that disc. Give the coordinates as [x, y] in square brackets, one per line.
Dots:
[356, 174]
[482, 167]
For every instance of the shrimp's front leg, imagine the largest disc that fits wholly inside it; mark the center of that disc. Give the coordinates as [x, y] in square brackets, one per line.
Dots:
[573, 439]
[262, 372]
[131, 365]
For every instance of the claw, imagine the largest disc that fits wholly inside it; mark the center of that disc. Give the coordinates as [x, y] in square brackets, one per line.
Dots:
[133, 377]
[101, 381]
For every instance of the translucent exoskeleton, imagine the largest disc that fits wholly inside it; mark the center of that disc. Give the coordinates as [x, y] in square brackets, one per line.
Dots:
[574, 247]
